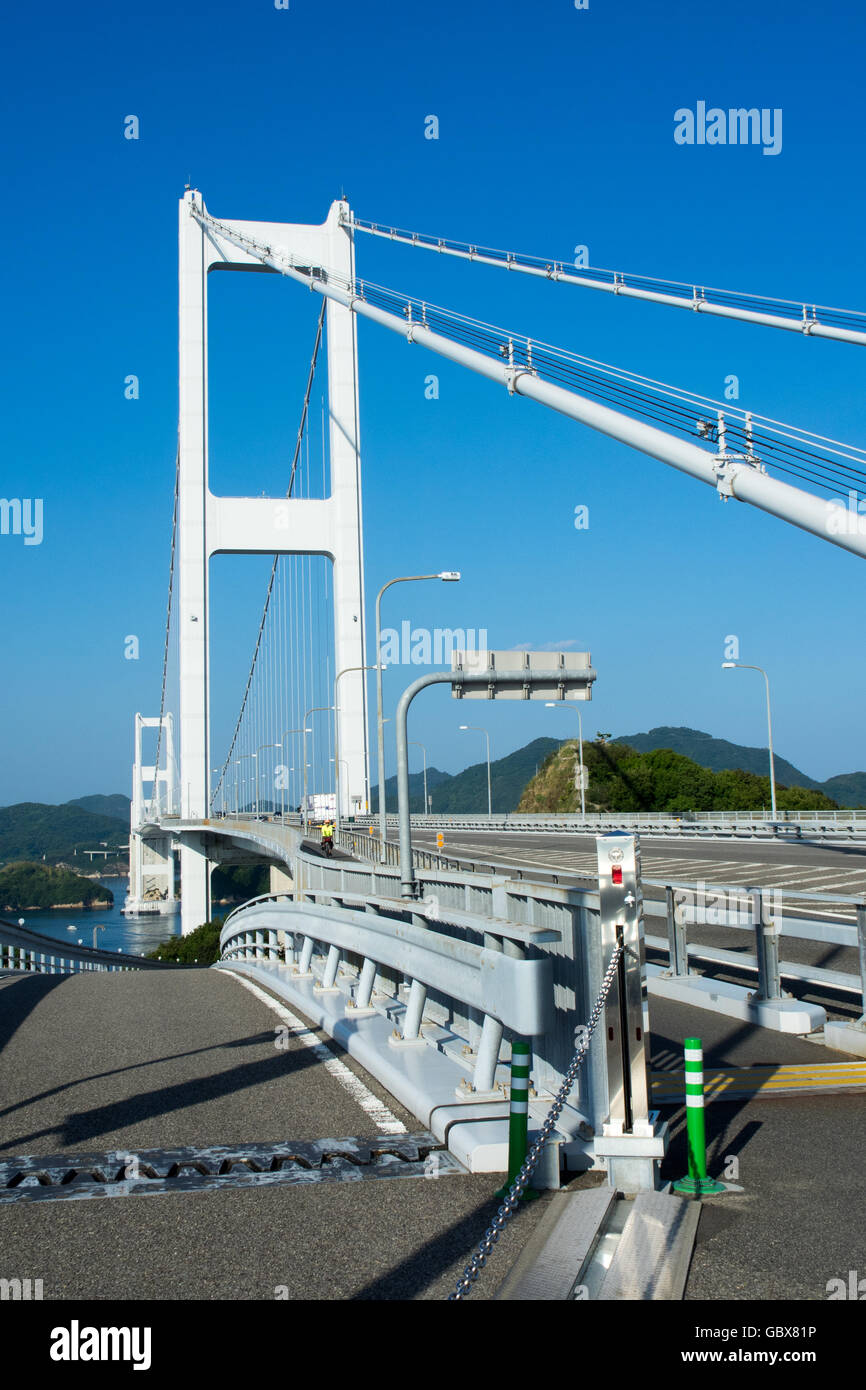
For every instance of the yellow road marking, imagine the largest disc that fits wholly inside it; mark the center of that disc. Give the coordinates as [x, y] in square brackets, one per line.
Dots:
[727, 1082]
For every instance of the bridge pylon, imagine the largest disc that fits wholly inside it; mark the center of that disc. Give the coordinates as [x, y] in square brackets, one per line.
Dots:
[151, 857]
[209, 525]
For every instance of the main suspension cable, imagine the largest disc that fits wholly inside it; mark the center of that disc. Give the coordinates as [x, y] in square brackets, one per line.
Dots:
[813, 320]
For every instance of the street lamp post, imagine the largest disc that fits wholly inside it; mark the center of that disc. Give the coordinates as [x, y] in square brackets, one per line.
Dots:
[744, 666]
[337, 759]
[287, 733]
[449, 576]
[478, 729]
[416, 744]
[258, 751]
[317, 709]
[553, 704]
[240, 760]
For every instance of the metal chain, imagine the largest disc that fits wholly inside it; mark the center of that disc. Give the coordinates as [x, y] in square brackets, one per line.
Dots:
[464, 1285]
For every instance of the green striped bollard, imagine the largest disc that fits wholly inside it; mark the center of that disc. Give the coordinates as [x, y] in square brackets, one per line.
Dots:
[518, 1118]
[697, 1184]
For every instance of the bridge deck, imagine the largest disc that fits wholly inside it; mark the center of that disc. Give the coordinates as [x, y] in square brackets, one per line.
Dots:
[157, 1060]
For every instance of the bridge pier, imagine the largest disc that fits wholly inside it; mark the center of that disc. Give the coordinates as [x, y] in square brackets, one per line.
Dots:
[195, 872]
[281, 879]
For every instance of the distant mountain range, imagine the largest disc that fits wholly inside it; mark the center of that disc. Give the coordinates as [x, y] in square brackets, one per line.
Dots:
[717, 754]
[466, 791]
[116, 806]
[31, 829]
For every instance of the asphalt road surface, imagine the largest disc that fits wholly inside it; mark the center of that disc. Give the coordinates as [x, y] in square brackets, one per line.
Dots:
[156, 1060]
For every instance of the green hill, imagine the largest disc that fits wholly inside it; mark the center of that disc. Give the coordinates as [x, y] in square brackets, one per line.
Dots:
[847, 789]
[24, 885]
[116, 806]
[30, 829]
[622, 779]
[717, 753]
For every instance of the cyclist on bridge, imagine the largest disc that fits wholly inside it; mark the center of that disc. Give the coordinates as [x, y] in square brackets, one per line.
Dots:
[328, 837]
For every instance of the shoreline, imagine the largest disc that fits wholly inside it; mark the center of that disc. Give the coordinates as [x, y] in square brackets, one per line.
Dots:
[60, 907]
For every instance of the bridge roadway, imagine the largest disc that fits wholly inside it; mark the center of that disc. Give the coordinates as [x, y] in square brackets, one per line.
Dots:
[162, 1059]
[158, 1060]
[789, 868]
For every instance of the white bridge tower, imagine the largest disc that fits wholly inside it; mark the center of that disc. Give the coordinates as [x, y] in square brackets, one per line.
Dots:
[209, 525]
[151, 857]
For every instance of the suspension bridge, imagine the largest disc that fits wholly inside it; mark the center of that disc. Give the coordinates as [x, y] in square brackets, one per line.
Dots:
[425, 964]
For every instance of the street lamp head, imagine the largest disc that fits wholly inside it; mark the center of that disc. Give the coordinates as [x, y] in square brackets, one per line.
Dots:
[450, 576]
[464, 726]
[729, 665]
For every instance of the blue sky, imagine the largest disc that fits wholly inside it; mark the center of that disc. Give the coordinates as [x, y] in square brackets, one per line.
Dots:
[556, 129]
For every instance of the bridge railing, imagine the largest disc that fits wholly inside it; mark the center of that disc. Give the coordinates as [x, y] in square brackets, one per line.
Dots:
[759, 824]
[769, 915]
[475, 956]
[25, 950]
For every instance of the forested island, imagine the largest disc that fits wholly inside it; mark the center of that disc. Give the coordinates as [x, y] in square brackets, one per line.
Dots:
[25, 884]
[621, 779]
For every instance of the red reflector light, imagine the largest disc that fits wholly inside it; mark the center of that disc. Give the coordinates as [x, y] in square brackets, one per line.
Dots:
[616, 873]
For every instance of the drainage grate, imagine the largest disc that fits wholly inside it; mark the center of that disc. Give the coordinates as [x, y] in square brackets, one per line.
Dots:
[122, 1173]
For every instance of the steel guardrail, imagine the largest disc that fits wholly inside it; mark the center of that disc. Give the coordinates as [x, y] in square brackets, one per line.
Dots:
[21, 949]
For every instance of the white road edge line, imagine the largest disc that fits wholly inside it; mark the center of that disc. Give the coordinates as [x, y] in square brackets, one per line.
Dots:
[384, 1120]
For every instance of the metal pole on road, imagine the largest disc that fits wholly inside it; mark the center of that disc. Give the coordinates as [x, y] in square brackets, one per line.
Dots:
[337, 759]
[478, 729]
[525, 678]
[742, 666]
[261, 750]
[553, 704]
[416, 744]
[450, 576]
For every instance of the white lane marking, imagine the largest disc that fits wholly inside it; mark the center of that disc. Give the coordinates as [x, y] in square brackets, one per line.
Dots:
[689, 859]
[801, 880]
[378, 1111]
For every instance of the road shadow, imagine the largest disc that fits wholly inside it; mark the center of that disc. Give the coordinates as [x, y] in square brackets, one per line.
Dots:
[19, 996]
[80, 1127]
